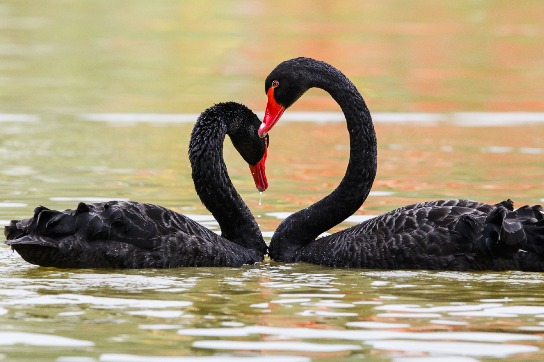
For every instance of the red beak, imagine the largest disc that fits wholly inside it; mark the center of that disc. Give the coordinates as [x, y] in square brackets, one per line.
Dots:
[259, 174]
[272, 115]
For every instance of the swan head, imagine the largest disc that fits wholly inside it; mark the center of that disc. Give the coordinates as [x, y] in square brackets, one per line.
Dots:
[285, 85]
[242, 129]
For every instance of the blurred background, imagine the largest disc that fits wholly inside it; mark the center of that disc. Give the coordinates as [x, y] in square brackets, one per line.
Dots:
[62, 56]
[97, 102]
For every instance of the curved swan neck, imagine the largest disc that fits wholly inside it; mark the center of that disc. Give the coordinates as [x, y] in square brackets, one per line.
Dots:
[307, 224]
[214, 186]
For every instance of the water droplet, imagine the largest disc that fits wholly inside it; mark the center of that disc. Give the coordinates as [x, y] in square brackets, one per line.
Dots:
[260, 198]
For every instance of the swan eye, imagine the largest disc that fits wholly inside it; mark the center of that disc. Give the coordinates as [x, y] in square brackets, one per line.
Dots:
[275, 83]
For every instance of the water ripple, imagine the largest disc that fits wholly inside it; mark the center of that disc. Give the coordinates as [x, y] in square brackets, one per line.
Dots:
[358, 334]
[478, 344]
[275, 346]
[454, 348]
[71, 299]
[114, 357]
[42, 340]
[18, 118]
[13, 204]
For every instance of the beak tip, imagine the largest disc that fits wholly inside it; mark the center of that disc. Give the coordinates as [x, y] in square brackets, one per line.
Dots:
[262, 130]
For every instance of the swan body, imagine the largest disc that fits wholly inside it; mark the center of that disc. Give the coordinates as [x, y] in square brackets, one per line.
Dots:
[138, 235]
[438, 235]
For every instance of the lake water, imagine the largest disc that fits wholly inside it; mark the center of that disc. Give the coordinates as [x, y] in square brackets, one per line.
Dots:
[97, 103]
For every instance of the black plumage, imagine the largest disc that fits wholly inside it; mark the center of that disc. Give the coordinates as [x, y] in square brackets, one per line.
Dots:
[439, 235]
[138, 235]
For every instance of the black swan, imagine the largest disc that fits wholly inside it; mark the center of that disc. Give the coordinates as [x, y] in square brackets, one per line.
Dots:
[138, 235]
[439, 235]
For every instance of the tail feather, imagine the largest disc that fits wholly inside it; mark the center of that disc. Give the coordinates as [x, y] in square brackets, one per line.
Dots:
[110, 221]
[507, 204]
[18, 228]
[12, 231]
[534, 229]
[96, 228]
[51, 223]
[110, 234]
[507, 231]
[33, 240]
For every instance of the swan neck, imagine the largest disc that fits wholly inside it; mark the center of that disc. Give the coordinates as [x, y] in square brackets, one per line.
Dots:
[215, 189]
[306, 225]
